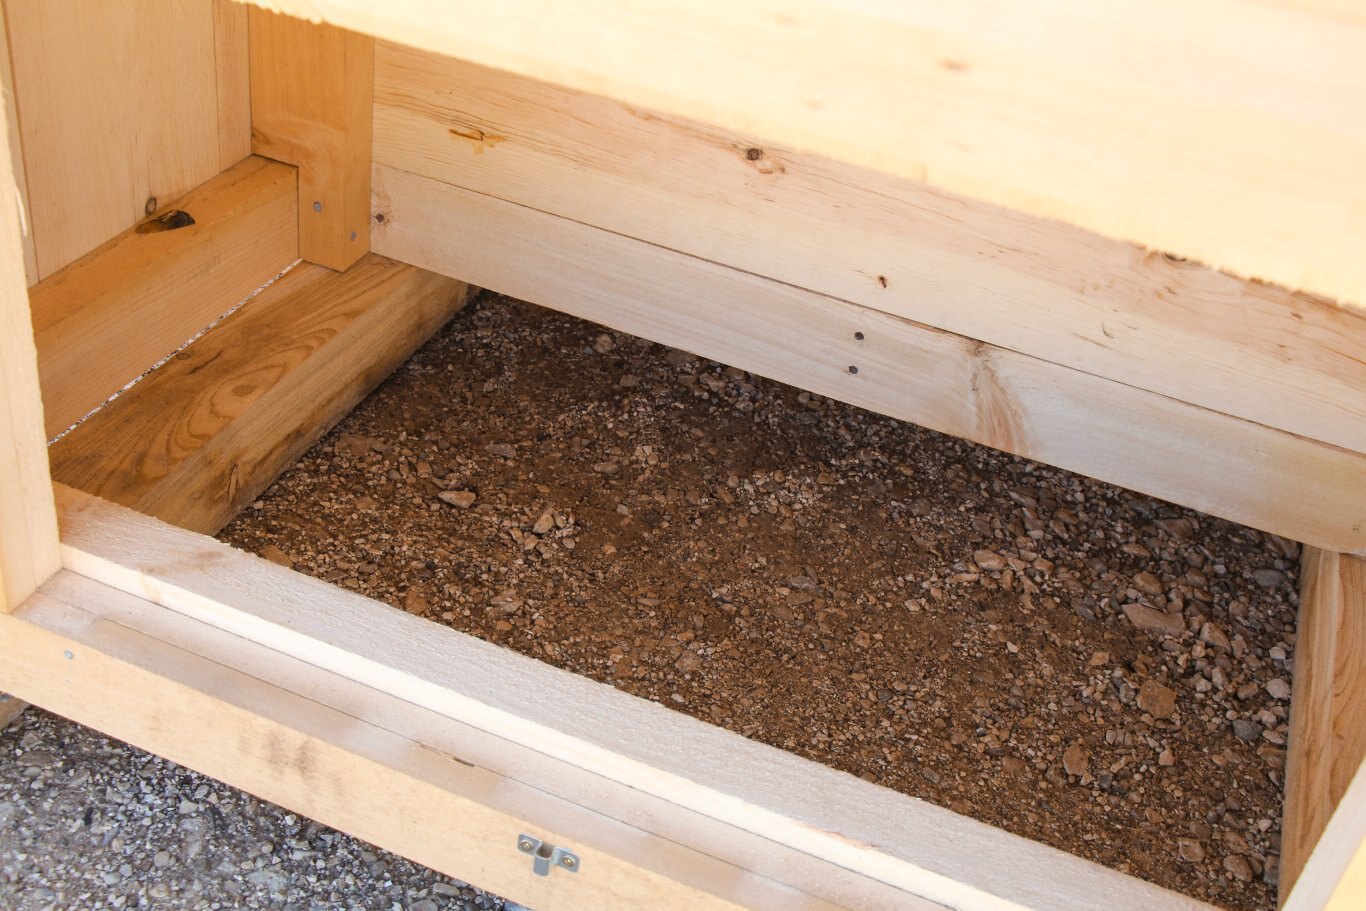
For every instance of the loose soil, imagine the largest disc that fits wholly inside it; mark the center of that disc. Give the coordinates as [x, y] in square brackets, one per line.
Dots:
[1070, 661]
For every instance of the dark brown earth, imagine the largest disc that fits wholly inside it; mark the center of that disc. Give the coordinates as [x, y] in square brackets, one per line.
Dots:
[1089, 667]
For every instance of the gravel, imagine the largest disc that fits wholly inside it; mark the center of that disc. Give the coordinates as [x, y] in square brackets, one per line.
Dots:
[87, 822]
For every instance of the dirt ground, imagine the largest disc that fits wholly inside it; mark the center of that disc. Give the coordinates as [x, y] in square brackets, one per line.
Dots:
[1091, 668]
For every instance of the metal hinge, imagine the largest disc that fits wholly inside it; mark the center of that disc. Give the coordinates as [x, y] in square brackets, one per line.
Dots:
[543, 856]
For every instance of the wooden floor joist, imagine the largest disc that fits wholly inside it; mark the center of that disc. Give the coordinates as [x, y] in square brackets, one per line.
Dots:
[203, 435]
[103, 320]
[1327, 717]
[1012, 280]
[1266, 478]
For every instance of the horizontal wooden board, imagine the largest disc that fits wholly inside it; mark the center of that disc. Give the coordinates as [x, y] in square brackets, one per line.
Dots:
[1016, 281]
[103, 320]
[204, 434]
[1294, 487]
[801, 812]
[119, 103]
[1225, 131]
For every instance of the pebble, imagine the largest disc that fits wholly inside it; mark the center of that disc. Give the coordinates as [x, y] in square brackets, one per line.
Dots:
[1237, 866]
[501, 450]
[989, 561]
[1076, 758]
[1148, 584]
[1268, 578]
[276, 555]
[461, 499]
[1145, 618]
[1246, 730]
[1190, 850]
[1278, 688]
[1156, 699]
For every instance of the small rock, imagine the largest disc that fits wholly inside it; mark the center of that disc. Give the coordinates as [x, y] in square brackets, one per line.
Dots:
[1190, 850]
[276, 555]
[603, 343]
[989, 561]
[1268, 578]
[461, 499]
[609, 469]
[1166, 757]
[1237, 866]
[544, 524]
[1245, 729]
[1213, 635]
[688, 662]
[1148, 584]
[1076, 759]
[414, 602]
[1154, 620]
[1156, 699]
[677, 357]
[1277, 688]
[356, 445]
[502, 450]
[425, 905]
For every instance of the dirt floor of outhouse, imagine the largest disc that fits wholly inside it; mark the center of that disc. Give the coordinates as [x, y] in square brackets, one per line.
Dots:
[1085, 666]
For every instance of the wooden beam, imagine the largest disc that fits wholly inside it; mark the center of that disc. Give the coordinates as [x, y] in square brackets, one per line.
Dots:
[28, 520]
[118, 105]
[1328, 712]
[16, 156]
[204, 434]
[233, 78]
[1246, 472]
[1013, 280]
[311, 106]
[820, 833]
[1225, 131]
[102, 321]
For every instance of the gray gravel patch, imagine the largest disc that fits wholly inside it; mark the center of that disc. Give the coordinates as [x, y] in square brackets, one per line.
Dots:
[87, 822]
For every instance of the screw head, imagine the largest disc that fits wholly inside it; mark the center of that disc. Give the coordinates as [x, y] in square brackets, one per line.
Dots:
[525, 845]
[568, 861]
[317, 207]
[67, 655]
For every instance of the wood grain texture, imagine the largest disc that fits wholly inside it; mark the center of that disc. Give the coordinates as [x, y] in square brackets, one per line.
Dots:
[311, 106]
[1246, 472]
[28, 520]
[118, 104]
[677, 770]
[16, 156]
[1234, 138]
[232, 71]
[102, 321]
[204, 434]
[1013, 280]
[325, 747]
[1328, 712]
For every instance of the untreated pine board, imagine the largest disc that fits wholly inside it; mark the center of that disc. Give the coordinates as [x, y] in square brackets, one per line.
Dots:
[80, 648]
[204, 434]
[671, 770]
[232, 69]
[1294, 487]
[28, 519]
[1328, 714]
[1014, 280]
[1225, 131]
[103, 320]
[311, 106]
[16, 155]
[118, 104]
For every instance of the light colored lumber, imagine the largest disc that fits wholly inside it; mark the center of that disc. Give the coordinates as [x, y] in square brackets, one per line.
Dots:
[1328, 712]
[16, 156]
[1226, 131]
[1017, 281]
[204, 434]
[1298, 488]
[28, 520]
[311, 105]
[106, 318]
[324, 746]
[1334, 876]
[117, 105]
[752, 788]
[232, 74]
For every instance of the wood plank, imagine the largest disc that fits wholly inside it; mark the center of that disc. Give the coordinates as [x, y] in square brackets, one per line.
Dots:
[1246, 472]
[16, 153]
[28, 520]
[325, 747]
[789, 802]
[232, 72]
[1334, 877]
[204, 434]
[1225, 131]
[1017, 281]
[117, 106]
[102, 321]
[1328, 713]
[311, 106]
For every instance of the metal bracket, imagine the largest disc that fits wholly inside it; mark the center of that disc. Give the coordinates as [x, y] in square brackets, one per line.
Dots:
[543, 856]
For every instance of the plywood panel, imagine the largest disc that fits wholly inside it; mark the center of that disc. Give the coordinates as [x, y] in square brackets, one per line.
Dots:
[1242, 471]
[118, 104]
[1225, 131]
[1010, 279]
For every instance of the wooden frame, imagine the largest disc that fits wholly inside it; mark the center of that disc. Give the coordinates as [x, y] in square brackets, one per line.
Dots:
[319, 700]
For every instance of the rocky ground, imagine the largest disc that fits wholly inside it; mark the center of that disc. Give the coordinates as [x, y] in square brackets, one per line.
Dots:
[87, 823]
[1089, 667]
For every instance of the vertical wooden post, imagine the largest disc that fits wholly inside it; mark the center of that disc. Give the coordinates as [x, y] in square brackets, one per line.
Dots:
[28, 520]
[1327, 716]
[312, 90]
